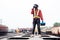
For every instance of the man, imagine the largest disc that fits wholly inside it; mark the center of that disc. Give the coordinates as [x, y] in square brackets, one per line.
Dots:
[37, 15]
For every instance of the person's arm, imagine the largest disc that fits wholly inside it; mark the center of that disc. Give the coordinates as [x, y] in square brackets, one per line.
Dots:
[32, 11]
[41, 16]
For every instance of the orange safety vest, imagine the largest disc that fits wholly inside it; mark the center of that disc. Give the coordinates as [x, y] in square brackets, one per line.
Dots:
[36, 14]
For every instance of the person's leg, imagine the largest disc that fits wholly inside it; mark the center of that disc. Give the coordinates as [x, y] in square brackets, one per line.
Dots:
[38, 26]
[34, 24]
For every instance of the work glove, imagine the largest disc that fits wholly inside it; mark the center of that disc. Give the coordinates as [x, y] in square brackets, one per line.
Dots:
[43, 23]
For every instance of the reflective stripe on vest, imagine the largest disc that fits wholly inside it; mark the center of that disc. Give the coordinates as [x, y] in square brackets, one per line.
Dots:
[36, 14]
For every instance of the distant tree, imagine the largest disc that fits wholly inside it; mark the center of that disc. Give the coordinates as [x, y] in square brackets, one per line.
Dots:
[56, 24]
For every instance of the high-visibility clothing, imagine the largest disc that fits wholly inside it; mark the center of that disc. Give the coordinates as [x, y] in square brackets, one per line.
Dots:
[37, 13]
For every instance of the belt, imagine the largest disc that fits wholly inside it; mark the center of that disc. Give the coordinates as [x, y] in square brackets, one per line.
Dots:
[36, 17]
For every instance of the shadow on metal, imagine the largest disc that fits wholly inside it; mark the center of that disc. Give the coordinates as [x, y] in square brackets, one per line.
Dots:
[51, 38]
[18, 38]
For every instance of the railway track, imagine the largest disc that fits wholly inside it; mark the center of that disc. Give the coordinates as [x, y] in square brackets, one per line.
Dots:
[26, 36]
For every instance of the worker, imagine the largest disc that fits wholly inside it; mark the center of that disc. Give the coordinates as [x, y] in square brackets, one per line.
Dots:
[37, 15]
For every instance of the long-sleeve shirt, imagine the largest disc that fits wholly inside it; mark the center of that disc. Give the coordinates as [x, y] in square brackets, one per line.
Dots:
[39, 13]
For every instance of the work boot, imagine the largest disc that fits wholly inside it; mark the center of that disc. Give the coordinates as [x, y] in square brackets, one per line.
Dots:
[39, 35]
[32, 35]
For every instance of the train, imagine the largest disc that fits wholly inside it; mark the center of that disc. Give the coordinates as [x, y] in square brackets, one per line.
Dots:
[3, 30]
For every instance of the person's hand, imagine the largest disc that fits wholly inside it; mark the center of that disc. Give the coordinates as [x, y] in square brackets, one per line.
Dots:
[42, 21]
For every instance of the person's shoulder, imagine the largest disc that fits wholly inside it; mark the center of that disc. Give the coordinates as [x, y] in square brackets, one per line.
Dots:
[39, 10]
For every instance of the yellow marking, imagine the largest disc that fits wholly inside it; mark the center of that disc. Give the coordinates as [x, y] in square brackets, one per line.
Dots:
[36, 17]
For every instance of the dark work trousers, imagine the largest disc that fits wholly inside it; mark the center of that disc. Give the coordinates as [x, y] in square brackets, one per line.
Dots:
[36, 21]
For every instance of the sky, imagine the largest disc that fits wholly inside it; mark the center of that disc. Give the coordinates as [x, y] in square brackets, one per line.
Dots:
[17, 13]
